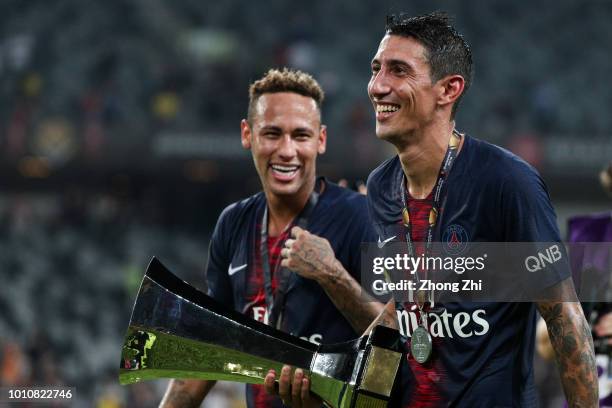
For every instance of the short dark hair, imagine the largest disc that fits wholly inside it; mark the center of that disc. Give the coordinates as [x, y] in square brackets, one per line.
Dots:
[285, 80]
[447, 51]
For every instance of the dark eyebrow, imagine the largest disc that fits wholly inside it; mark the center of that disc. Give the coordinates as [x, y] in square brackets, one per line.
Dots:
[271, 127]
[394, 63]
[302, 130]
[400, 63]
[278, 129]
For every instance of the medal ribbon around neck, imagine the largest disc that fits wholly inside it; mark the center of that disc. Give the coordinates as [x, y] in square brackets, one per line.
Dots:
[447, 163]
[276, 304]
[421, 339]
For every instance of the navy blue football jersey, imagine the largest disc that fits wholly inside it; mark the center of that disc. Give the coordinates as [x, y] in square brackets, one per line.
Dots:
[482, 351]
[340, 216]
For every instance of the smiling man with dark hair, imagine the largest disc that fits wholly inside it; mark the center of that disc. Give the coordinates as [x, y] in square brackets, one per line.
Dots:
[444, 184]
[481, 193]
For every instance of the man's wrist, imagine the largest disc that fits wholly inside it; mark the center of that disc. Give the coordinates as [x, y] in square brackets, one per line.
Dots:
[333, 273]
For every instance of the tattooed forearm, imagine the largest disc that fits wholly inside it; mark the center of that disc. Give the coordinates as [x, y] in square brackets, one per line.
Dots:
[312, 257]
[388, 321]
[317, 256]
[571, 339]
[350, 299]
[387, 317]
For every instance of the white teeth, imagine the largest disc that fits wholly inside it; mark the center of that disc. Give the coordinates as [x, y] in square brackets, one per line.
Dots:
[284, 169]
[386, 108]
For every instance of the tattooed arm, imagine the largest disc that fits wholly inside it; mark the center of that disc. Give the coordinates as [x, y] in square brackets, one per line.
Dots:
[571, 339]
[186, 393]
[387, 317]
[312, 257]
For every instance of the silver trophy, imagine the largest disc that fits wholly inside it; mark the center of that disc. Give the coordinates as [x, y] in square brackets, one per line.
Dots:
[177, 331]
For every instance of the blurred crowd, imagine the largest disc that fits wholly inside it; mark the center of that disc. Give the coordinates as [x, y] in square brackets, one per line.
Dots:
[96, 83]
[70, 272]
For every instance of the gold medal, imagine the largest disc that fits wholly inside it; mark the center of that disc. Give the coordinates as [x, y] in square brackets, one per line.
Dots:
[433, 216]
[406, 217]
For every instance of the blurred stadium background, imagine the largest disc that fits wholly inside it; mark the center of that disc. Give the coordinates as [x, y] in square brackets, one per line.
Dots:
[119, 135]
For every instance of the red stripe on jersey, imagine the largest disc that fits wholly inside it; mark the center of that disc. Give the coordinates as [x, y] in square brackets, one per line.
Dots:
[428, 376]
[256, 298]
[255, 293]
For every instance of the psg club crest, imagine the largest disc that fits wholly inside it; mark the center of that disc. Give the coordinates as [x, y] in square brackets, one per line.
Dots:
[455, 239]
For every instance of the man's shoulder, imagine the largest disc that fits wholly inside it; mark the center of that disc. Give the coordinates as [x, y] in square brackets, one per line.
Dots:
[382, 181]
[495, 163]
[384, 191]
[385, 171]
[239, 210]
[493, 168]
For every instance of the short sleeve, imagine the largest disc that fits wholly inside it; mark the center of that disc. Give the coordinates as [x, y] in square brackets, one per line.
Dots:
[529, 225]
[527, 214]
[219, 258]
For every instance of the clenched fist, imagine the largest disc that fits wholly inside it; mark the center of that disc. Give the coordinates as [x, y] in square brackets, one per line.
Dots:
[309, 255]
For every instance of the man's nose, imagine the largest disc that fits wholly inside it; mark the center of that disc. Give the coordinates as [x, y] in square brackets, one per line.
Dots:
[379, 84]
[287, 150]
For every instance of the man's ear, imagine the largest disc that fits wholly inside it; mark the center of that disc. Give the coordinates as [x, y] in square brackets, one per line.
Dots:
[245, 134]
[450, 89]
[322, 139]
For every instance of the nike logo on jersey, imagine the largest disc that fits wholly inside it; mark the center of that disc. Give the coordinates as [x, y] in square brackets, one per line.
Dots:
[382, 243]
[231, 271]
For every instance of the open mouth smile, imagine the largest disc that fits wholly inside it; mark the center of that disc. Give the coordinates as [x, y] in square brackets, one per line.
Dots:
[284, 172]
[386, 110]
